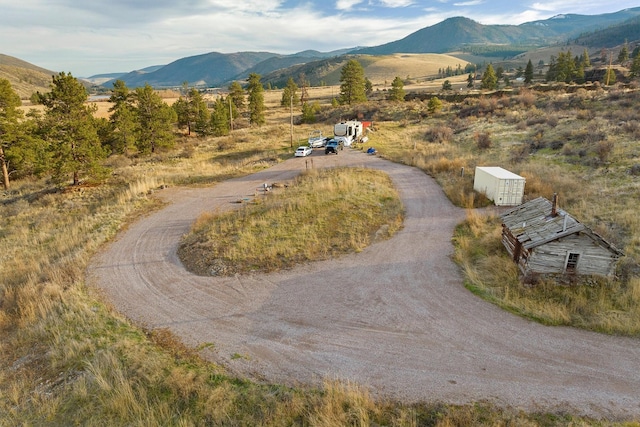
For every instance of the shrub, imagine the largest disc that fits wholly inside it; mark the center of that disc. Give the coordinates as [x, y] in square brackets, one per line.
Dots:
[594, 136]
[483, 140]
[603, 150]
[434, 105]
[585, 115]
[632, 128]
[556, 144]
[519, 153]
[487, 106]
[226, 143]
[526, 98]
[439, 134]
[536, 120]
[538, 142]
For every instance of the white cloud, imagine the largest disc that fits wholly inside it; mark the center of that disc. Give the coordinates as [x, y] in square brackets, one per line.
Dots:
[469, 3]
[512, 18]
[90, 37]
[396, 3]
[586, 7]
[347, 4]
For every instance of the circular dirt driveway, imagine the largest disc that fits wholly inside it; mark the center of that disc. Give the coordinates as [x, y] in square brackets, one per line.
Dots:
[395, 317]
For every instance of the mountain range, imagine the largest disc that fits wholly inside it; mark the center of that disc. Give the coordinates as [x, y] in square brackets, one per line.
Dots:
[458, 34]
[453, 34]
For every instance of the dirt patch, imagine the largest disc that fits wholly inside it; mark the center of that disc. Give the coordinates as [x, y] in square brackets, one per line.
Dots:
[395, 317]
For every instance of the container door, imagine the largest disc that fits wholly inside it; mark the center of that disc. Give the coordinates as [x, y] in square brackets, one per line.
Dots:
[502, 195]
[509, 192]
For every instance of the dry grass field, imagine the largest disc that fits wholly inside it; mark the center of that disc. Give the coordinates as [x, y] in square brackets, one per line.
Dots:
[67, 357]
[415, 67]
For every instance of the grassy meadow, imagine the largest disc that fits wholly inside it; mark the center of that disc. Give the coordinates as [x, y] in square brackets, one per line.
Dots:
[581, 144]
[68, 358]
[275, 233]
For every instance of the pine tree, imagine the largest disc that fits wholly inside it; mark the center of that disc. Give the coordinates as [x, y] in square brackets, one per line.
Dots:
[155, 121]
[219, 120]
[552, 71]
[255, 93]
[447, 85]
[579, 74]
[352, 87]
[623, 55]
[70, 129]
[489, 79]
[368, 86]
[309, 111]
[586, 62]
[191, 111]
[10, 116]
[290, 94]
[635, 67]
[470, 80]
[528, 73]
[237, 95]
[122, 120]
[202, 115]
[396, 93]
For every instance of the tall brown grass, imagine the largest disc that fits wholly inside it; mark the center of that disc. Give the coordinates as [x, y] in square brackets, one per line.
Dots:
[68, 358]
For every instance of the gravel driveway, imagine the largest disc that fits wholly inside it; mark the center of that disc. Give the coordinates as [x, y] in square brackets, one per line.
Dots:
[395, 317]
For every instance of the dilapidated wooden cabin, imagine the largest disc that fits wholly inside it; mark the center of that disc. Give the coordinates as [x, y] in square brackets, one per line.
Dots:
[544, 239]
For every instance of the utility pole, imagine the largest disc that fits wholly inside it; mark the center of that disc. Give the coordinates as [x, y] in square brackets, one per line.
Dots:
[291, 116]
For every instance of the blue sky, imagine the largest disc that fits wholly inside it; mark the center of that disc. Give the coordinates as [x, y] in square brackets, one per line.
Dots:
[88, 37]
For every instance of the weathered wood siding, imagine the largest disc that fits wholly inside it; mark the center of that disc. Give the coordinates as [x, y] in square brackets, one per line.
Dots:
[552, 256]
[508, 240]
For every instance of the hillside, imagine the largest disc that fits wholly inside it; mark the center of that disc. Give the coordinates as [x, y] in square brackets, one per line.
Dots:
[210, 69]
[610, 37]
[379, 69]
[470, 40]
[100, 79]
[460, 32]
[454, 33]
[25, 78]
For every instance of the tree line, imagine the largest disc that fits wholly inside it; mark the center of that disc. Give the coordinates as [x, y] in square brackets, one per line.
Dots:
[68, 143]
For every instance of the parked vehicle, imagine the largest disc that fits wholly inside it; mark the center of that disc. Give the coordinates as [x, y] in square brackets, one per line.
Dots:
[303, 151]
[333, 146]
[316, 139]
[350, 131]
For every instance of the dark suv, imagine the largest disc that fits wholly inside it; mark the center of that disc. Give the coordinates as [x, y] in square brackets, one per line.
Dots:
[333, 145]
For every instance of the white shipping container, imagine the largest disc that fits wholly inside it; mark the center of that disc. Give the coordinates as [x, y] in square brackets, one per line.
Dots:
[503, 187]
